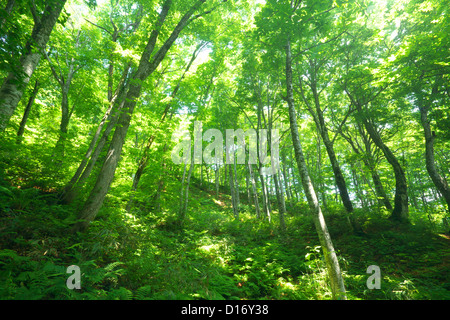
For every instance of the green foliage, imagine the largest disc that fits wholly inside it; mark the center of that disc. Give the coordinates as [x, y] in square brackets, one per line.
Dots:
[392, 58]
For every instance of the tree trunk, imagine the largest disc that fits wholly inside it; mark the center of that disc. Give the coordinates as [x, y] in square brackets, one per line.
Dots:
[439, 181]
[16, 82]
[216, 176]
[401, 210]
[233, 193]
[287, 185]
[332, 263]
[183, 179]
[281, 202]
[255, 192]
[27, 111]
[265, 198]
[184, 197]
[378, 185]
[247, 188]
[236, 184]
[58, 152]
[358, 189]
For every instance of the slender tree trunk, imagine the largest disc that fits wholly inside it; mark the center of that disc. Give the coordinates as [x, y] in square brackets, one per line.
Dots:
[401, 210]
[27, 111]
[225, 175]
[233, 193]
[160, 184]
[265, 198]
[370, 163]
[412, 190]
[183, 179]
[439, 181]
[216, 176]
[366, 183]
[64, 124]
[255, 193]
[184, 200]
[236, 184]
[321, 184]
[16, 82]
[201, 175]
[64, 82]
[281, 203]
[269, 204]
[332, 263]
[247, 187]
[287, 185]
[358, 189]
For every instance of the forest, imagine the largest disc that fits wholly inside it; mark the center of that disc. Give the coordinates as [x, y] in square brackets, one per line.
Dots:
[224, 150]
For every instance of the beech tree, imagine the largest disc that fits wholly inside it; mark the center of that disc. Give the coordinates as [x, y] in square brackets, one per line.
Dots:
[16, 81]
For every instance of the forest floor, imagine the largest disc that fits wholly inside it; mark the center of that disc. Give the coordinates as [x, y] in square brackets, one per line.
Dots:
[146, 255]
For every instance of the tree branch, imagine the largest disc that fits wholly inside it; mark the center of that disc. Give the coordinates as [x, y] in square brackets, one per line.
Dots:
[52, 68]
[96, 25]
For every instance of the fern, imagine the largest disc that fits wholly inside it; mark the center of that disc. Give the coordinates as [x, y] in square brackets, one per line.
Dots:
[144, 293]
[120, 294]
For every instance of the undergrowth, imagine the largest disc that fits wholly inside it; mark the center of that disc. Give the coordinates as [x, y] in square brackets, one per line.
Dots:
[146, 255]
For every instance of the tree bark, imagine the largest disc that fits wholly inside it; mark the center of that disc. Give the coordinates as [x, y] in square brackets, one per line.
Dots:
[16, 82]
[332, 263]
